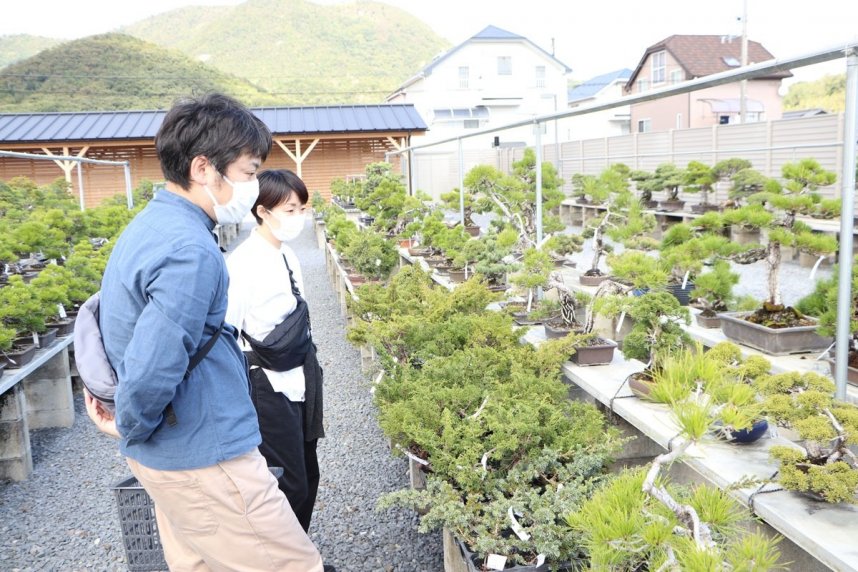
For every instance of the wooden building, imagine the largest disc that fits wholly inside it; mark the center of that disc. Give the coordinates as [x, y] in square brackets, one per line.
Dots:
[319, 143]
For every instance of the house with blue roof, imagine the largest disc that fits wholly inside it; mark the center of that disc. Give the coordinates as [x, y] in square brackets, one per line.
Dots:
[492, 78]
[608, 123]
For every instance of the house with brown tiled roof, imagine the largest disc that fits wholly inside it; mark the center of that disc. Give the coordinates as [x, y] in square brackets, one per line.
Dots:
[683, 57]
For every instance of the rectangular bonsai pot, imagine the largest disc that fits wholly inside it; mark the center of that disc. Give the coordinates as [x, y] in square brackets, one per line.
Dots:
[776, 342]
[600, 354]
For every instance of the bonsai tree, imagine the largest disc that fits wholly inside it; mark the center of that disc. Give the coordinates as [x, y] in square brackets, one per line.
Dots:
[34, 236]
[536, 265]
[52, 287]
[637, 269]
[20, 310]
[451, 201]
[713, 290]
[748, 218]
[667, 177]
[561, 247]
[803, 178]
[632, 223]
[513, 197]
[639, 521]
[725, 169]
[320, 206]
[825, 467]
[372, 255]
[699, 178]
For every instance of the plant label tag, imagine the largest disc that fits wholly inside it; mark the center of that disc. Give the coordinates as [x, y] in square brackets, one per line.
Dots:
[52, 261]
[377, 379]
[685, 279]
[621, 320]
[540, 560]
[35, 339]
[516, 527]
[496, 562]
[62, 312]
[816, 266]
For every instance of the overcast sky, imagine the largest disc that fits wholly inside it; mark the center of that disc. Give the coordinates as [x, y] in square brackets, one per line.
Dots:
[591, 37]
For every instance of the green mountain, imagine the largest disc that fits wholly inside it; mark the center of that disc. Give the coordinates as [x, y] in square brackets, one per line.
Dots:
[113, 71]
[828, 93]
[304, 53]
[19, 47]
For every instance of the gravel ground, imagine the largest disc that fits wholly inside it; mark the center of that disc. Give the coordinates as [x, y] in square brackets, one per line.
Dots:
[63, 518]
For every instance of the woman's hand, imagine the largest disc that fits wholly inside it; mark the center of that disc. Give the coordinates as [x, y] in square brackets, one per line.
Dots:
[104, 420]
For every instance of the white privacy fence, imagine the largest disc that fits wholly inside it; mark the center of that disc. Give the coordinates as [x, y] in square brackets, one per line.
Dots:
[767, 145]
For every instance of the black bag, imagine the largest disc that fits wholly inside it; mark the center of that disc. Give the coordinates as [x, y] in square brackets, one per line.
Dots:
[286, 346]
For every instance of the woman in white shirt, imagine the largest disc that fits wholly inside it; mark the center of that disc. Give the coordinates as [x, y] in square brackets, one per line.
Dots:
[287, 386]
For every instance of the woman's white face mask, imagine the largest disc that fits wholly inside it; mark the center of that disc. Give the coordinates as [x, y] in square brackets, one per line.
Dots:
[288, 226]
[244, 194]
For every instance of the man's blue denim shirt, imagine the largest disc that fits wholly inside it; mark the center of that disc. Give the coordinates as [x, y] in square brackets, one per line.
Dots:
[162, 296]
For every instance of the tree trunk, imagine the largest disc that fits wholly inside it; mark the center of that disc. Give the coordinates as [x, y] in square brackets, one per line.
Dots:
[773, 259]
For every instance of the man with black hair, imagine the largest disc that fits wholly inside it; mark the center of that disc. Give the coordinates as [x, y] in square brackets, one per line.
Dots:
[191, 438]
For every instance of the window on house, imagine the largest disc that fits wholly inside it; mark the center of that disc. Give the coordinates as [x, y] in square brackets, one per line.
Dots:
[643, 85]
[676, 76]
[679, 121]
[540, 76]
[472, 124]
[731, 61]
[464, 77]
[644, 125]
[504, 65]
[659, 60]
[723, 119]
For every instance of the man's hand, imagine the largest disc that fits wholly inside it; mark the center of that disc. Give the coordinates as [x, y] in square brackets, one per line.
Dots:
[103, 419]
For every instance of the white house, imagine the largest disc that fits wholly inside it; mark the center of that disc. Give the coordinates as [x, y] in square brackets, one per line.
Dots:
[493, 78]
[606, 123]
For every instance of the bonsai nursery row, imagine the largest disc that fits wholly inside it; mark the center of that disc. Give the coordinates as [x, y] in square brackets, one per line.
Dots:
[52, 256]
[514, 470]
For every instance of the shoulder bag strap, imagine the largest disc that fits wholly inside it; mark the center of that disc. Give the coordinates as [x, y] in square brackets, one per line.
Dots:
[295, 290]
[169, 412]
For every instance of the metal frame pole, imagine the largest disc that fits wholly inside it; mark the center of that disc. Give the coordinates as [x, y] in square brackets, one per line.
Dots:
[80, 186]
[461, 184]
[844, 286]
[128, 194]
[538, 138]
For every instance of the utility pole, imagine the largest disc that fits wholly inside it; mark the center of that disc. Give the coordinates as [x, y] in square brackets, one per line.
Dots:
[743, 85]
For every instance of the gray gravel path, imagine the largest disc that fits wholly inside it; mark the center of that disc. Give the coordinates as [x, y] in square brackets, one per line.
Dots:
[63, 518]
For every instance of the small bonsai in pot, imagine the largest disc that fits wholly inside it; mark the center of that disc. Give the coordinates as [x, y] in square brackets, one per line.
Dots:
[657, 331]
[669, 178]
[372, 255]
[20, 309]
[561, 247]
[319, 204]
[700, 178]
[713, 293]
[594, 275]
[725, 169]
[630, 226]
[536, 265]
[52, 288]
[824, 467]
[745, 183]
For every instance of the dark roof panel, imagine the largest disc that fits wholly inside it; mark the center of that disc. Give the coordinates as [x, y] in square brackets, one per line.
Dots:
[119, 125]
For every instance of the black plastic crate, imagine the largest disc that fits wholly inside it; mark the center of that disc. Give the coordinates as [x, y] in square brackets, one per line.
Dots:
[143, 550]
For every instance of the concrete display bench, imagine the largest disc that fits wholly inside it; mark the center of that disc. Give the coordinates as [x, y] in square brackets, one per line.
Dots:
[36, 396]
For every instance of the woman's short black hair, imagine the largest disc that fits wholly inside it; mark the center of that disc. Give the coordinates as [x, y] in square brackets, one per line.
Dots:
[275, 188]
[215, 126]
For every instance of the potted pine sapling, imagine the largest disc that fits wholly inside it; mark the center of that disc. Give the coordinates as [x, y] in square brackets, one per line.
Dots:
[724, 171]
[745, 183]
[561, 247]
[513, 197]
[646, 184]
[626, 527]
[319, 205]
[589, 348]
[445, 245]
[453, 201]
[824, 466]
[632, 230]
[775, 328]
[594, 275]
[372, 256]
[21, 312]
[713, 293]
[684, 254]
[669, 178]
[700, 178]
[533, 273]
